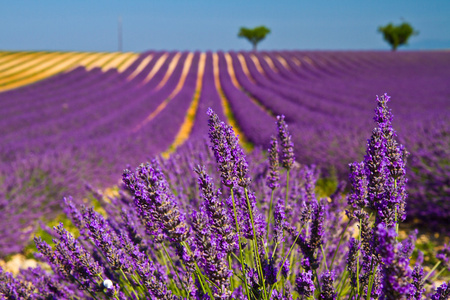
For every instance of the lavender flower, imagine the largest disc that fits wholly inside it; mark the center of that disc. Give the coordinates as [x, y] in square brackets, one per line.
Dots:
[286, 269]
[317, 230]
[310, 185]
[442, 292]
[209, 253]
[253, 282]
[229, 156]
[106, 240]
[149, 276]
[357, 197]
[328, 292]
[395, 268]
[287, 158]
[221, 223]
[354, 246]
[12, 288]
[274, 173]
[286, 294]
[418, 283]
[270, 271]
[385, 168]
[375, 163]
[48, 285]
[155, 203]
[71, 260]
[309, 246]
[280, 222]
[444, 256]
[304, 284]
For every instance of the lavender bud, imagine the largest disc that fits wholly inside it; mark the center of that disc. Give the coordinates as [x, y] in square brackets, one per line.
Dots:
[444, 256]
[317, 231]
[357, 197]
[354, 247]
[280, 220]
[274, 173]
[418, 282]
[442, 292]
[287, 158]
[304, 284]
[229, 156]
[328, 292]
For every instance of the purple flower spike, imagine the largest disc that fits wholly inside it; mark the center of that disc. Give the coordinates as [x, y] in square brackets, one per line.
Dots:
[418, 283]
[155, 202]
[287, 145]
[270, 271]
[385, 168]
[357, 197]
[216, 211]
[444, 256]
[107, 240]
[12, 288]
[70, 260]
[229, 155]
[442, 292]
[280, 222]
[286, 268]
[209, 254]
[354, 247]
[305, 284]
[395, 266]
[386, 243]
[317, 230]
[274, 173]
[328, 292]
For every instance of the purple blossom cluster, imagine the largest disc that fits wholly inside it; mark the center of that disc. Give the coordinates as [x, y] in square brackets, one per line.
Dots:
[200, 225]
[71, 128]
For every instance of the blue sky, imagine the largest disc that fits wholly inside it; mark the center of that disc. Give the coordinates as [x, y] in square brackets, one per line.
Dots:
[84, 25]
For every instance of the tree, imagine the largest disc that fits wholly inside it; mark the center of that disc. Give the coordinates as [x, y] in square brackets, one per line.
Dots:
[254, 35]
[397, 35]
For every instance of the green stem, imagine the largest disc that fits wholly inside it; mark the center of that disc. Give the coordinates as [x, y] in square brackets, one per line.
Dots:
[437, 275]
[174, 269]
[129, 283]
[339, 244]
[230, 266]
[240, 246]
[285, 204]
[269, 217]
[287, 189]
[323, 257]
[200, 275]
[79, 283]
[318, 282]
[255, 243]
[357, 259]
[284, 260]
[341, 283]
[432, 270]
[372, 278]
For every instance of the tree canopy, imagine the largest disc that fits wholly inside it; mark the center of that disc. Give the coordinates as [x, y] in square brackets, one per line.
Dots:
[255, 35]
[397, 35]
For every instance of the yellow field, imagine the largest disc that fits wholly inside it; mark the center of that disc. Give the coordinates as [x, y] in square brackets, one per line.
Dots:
[21, 68]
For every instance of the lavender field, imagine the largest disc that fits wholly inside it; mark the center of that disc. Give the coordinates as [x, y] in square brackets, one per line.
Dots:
[83, 126]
